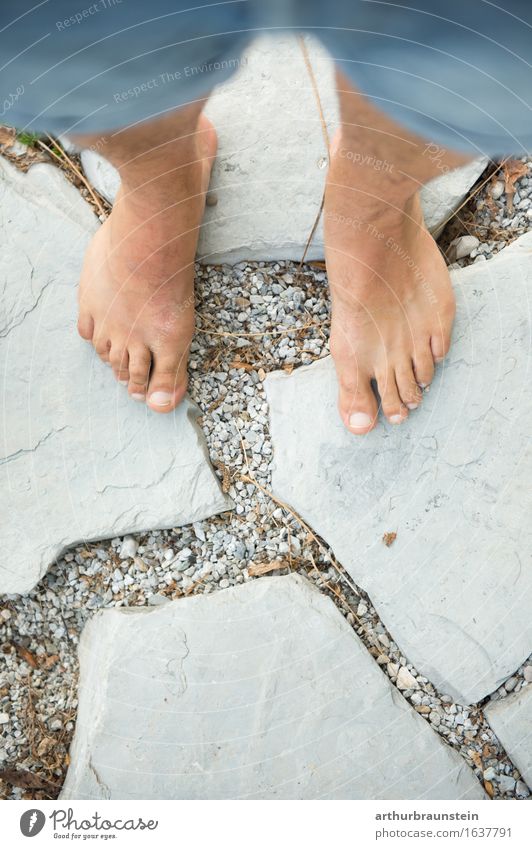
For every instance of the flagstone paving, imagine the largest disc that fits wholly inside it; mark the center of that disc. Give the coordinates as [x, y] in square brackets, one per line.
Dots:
[79, 460]
[261, 691]
[454, 587]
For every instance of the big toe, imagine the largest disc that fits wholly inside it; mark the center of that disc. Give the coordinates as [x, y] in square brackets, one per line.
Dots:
[168, 381]
[357, 403]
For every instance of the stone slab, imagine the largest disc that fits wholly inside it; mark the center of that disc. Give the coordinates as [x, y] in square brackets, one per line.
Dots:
[269, 175]
[78, 459]
[455, 588]
[261, 691]
[511, 720]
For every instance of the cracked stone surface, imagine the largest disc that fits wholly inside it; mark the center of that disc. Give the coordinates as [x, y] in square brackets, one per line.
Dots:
[272, 159]
[511, 720]
[455, 587]
[260, 691]
[78, 460]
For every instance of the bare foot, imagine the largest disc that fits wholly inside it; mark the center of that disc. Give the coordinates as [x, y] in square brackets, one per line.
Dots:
[136, 293]
[392, 300]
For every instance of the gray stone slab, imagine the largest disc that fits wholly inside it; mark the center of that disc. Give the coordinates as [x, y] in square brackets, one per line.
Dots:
[78, 459]
[455, 588]
[270, 172]
[511, 720]
[260, 691]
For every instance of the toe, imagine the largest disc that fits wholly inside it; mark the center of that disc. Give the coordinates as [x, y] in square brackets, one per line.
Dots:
[168, 381]
[139, 364]
[102, 346]
[440, 342]
[86, 326]
[407, 385]
[424, 364]
[357, 402]
[119, 359]
[392, 405]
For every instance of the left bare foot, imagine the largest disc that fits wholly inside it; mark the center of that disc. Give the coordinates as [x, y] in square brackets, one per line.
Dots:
[392, 300]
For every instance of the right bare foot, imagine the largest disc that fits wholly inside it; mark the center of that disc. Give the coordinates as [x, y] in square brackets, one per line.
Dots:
[136, 292]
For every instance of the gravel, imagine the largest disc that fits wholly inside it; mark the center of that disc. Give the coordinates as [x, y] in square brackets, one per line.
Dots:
[272, 315]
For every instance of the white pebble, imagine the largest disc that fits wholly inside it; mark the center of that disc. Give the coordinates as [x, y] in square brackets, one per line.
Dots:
[464, 245]
[128, 548]
[405, 679]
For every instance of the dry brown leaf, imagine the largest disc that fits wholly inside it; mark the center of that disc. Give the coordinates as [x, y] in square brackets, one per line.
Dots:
[27, 656]
[489, 788]
[226, 476]
[389, 538]
[244, 366]
[212, 407]
[257, 569]
[7, 136]
[45, 745]
[513, 170]
[24, 778]
[288, 368]
[475, 757]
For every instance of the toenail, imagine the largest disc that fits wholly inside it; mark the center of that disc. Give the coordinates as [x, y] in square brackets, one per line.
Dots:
[397, 419]
[160, 399]
[137, 396]
[359, 420]
[412, 406]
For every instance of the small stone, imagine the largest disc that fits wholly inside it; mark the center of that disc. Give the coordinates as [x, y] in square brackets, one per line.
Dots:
[435, 718]
[157, 599]
[527, 674]
[56, 725]
[405, 680]
[497, 190]
[506, 783]
[510, 684]
[211, 199]
[362, 609]
[128, 549]
[5, 614]
[489, 774]
[521, 790]
[464, 245]
[4, 717]
[392, 669]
